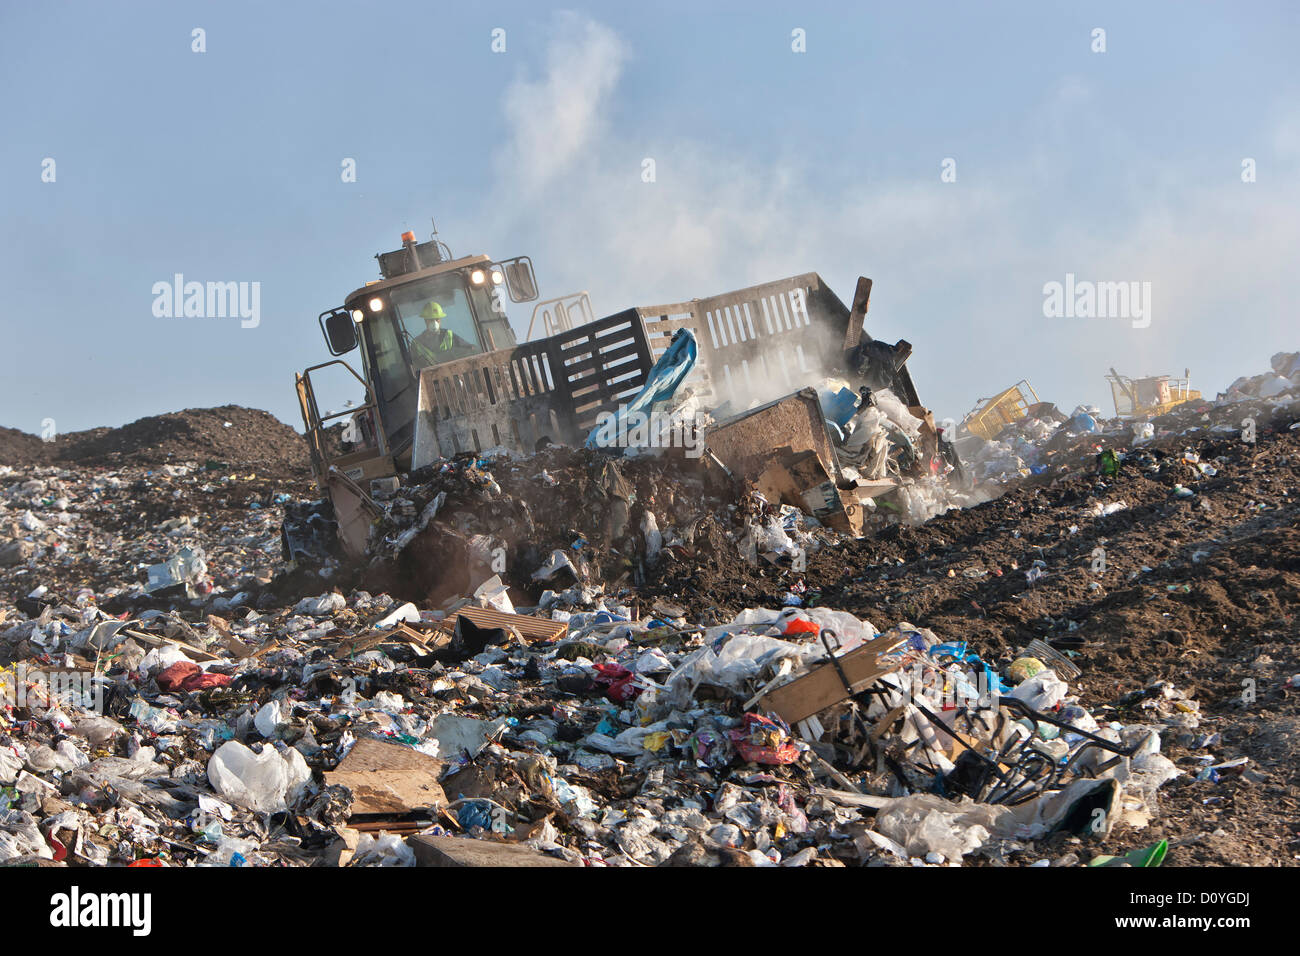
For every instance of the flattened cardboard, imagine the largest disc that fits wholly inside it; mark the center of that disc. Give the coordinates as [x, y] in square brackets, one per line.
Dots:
[388, 778]
[822, 686]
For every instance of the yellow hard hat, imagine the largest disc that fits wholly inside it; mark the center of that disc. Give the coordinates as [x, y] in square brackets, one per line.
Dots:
[432, 311]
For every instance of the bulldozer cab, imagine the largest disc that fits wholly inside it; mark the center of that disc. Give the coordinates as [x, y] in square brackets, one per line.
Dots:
[428, 309]
[413, 324]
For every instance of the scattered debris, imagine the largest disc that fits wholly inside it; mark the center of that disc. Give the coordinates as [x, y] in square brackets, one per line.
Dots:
[586, 658]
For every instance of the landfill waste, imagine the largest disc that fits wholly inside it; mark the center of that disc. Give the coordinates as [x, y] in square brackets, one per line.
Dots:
[1040, 444]
[186, 569]
[265, 782]
[583, 658]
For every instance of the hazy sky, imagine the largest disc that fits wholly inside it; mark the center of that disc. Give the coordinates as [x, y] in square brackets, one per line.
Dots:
[226, 165]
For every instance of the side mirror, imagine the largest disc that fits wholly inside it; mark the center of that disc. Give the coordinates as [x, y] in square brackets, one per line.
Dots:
[339, 329]
[521, 282]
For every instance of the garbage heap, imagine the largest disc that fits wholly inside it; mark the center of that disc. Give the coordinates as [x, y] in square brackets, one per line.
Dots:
[567, 526]
[168, 699]
[775, 484]
[361, 730]
[1052, 445]
[1282, 381]
[118, 539]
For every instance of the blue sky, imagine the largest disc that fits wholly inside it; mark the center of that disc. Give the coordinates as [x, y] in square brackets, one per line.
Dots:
[225, 166]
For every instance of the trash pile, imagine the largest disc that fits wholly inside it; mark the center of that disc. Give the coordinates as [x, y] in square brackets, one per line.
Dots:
[577, 523]
[117, 539]
[362, 730]
[585, 658]
[1284, 380]
[1047, 443]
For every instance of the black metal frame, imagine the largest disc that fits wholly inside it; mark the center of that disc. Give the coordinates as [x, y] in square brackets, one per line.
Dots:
[1031, 771]
[356, 338]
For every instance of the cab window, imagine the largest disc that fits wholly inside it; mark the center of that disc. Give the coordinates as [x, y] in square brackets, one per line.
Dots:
[389, 364]
[436, 319]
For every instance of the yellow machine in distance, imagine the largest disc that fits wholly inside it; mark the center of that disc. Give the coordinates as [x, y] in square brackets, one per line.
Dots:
[991, 415]
[1150, 396]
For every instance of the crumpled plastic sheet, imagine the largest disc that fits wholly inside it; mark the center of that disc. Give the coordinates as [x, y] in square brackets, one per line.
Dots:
[1042, 692]
[897, 412]
[662, 381]
[386, 849]
[267, 782]
[926, 497]
[736, 655]
[20, 836]
[743, 657]
[923, 823]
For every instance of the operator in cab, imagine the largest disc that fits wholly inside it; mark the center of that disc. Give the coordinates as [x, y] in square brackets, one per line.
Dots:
[435, 344]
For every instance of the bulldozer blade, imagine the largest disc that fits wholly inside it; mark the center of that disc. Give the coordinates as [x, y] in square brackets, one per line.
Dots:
[353, 509]
[552, 390]
[786, 428]
[784, 451]
[765, 341]
[755, 345]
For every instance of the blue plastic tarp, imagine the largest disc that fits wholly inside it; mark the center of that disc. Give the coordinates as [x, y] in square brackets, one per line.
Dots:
[664, 378]
[838, 405]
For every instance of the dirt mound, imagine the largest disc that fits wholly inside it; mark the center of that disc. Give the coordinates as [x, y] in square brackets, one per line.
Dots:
[20, 448]
[230, 434]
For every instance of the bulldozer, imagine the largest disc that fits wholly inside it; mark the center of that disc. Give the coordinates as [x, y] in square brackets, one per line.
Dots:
[991, 415]
[443, 373]
[1150, 396]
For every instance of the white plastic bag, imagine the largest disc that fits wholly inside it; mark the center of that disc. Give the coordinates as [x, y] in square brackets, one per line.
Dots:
[268, 718]
[264, 782]
[1043, 691]
[923, 823]
[387, 850]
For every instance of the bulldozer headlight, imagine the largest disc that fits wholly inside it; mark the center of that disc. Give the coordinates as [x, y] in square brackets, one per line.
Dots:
[497, 277]
[376, 304]
[477, 277]
[357, 316]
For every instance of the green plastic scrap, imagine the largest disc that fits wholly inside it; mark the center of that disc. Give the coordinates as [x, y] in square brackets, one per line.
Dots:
[1153, 855]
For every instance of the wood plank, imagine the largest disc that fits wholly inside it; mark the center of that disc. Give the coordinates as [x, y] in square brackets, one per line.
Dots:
[153, 640]
[530, 628]
[847, 798]
[821, 687]
[236, 646]
[399, 634]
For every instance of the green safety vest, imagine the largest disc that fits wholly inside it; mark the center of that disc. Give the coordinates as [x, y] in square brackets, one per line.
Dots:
[445, 341]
